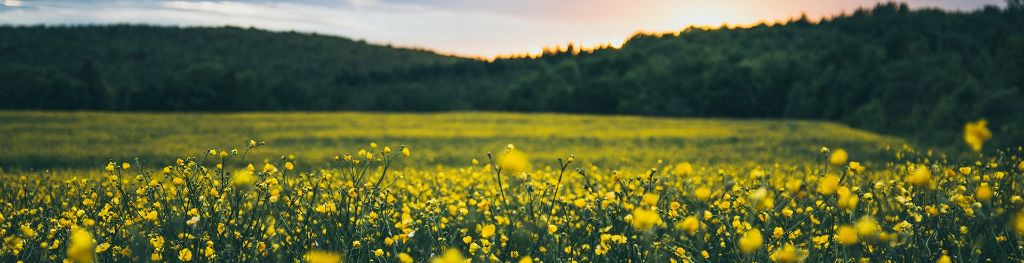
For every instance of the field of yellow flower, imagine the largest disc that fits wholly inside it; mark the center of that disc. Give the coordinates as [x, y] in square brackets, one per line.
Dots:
[848, 199]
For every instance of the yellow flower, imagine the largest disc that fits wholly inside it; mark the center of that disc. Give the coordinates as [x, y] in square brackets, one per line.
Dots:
[789, 254]
[209, 251]
[867, 228]
[644, 219]
[702, 193]
[316, 256]
[243, 178]
[690, 224]
[976, 133]
[450, 256]
[81, 247]
[966, 170]
[405, 151]
[152, 215]
[27, 231]
[838, 157]
[404, 258]
[793, 185]
[683, 169]
[1018, 224]
[828, 184]
[751, 241]
[650, 199]
[487, 231]
[514, 162]
[846, 235]
[920, 175]
[760, 199]
[847, 199]
[157, 242]
[289, 166]
[944, 259]
[126, 166]
[102, 247]
[855, 167]
[185, 255]
[269, 168]
[983, 193]
[580, 203]
[378, 252]
[552, 229]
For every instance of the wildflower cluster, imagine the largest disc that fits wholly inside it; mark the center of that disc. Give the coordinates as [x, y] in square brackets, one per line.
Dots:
[366, 206]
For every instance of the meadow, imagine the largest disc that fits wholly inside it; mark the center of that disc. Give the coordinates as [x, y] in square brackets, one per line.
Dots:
[494, 187]
[86, 140]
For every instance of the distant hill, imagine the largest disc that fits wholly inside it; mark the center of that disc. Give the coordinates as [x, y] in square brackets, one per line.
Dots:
[891, 69]
[137, 67]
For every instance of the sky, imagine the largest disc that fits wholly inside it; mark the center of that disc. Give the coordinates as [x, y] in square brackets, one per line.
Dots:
[473, 28]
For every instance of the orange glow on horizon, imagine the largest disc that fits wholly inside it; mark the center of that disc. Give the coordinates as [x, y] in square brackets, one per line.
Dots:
[591, 46]
[669, 21]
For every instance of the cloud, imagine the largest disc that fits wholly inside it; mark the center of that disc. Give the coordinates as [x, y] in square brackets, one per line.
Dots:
[464, 27]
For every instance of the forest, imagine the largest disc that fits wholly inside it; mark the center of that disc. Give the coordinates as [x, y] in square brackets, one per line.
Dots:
[921, 73]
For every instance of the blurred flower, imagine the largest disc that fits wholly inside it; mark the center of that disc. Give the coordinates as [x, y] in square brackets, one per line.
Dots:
[983, 192]
[750, 241]
[976, 133]
[450, 256]
[690, 224]
[789, 254]
[919, 175]
[867, 228]
[682, 169]
[316, 256]
[828, 184]
[81, 247]
[404, 258]
[846, 235]
[644, 219]
[838, 157]
[702, 193]
[514, 162]
[242, 179]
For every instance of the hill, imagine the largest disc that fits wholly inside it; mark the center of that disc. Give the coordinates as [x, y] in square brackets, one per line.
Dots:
[921, 73]
[137, 67]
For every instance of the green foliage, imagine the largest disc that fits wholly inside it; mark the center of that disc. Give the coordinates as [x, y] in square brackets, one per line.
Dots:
[128, 67]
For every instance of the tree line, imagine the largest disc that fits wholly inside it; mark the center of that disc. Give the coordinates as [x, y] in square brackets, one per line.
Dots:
[918, 72]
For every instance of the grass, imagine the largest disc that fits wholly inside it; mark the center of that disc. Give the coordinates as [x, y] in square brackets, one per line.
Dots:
[574, 188]
[88, 140]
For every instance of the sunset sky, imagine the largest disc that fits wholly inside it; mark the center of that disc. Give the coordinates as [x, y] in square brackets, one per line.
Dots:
[480, 28]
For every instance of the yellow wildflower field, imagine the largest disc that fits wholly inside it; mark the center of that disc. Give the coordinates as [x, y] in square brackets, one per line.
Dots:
[491, 187]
